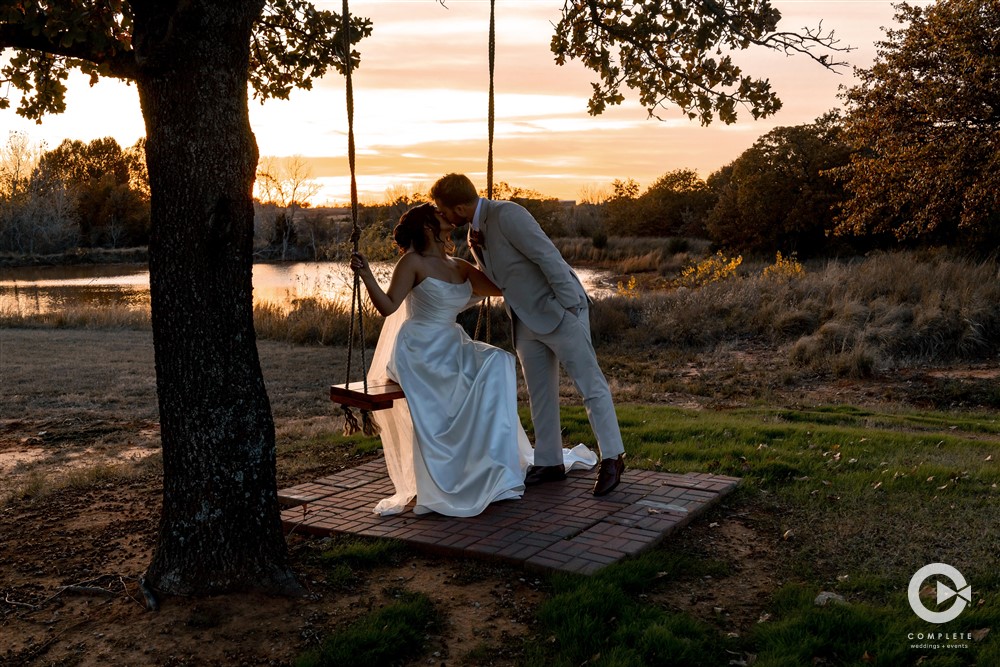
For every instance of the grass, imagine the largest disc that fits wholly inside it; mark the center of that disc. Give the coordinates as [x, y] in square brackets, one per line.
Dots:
[632, 254]
[855, 499]
[346, 556]
[35, 484]
[846, 318]
[865, 496]
[392, 635]
[83, 316]
[804, 633]
[602, 620]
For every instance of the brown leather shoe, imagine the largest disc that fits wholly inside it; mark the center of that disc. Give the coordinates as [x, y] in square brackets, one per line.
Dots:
[609, 475]
[540, 474]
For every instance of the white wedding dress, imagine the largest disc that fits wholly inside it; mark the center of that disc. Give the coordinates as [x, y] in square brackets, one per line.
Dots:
[455, 443]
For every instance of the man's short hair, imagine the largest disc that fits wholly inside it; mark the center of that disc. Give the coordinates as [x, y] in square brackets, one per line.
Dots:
[454, 189]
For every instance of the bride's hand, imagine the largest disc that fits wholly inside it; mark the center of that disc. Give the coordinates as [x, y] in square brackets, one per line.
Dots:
[359, 264]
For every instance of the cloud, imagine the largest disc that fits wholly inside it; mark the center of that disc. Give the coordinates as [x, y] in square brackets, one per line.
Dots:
[421, 102]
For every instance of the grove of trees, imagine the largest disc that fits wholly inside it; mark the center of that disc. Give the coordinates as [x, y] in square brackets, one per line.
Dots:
[912, 159]
[75, 195]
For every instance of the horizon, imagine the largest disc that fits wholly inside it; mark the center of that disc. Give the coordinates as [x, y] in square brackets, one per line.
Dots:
[413, 125]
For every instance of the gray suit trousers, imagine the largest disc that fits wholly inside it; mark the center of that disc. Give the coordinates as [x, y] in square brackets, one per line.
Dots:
[540, 355]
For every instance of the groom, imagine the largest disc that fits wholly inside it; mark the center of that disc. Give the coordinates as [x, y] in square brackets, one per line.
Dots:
[550, 311]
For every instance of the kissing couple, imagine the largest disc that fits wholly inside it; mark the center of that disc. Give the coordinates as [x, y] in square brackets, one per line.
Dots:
[456, 443]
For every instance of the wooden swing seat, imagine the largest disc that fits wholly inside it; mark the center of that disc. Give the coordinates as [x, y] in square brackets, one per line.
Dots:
[379, 396]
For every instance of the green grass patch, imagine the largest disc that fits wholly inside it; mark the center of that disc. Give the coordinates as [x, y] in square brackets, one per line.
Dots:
[356, 444]
[602, 620]
[393, 635]
[360, 552]
[346, 556]
[802, 633]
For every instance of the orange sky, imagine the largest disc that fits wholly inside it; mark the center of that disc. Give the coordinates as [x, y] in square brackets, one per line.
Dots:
[421, 103]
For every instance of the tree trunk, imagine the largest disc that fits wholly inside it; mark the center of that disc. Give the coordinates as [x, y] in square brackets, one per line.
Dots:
[220, 527]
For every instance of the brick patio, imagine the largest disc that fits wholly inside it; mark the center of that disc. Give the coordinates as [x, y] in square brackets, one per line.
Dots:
[555, 526]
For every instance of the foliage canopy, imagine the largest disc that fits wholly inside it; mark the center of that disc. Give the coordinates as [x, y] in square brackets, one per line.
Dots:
[293, 44]
[680, 52]
[926, 121]
[778, 195]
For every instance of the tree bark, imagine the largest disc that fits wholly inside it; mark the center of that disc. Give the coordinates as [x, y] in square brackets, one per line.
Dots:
[220, 528]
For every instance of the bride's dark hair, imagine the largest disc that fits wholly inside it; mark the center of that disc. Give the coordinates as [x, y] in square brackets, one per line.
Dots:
[409, 233]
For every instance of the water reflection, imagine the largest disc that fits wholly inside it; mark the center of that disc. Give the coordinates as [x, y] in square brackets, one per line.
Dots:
[37, 290]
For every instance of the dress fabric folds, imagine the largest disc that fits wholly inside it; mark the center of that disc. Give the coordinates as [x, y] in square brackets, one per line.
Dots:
[455, 443]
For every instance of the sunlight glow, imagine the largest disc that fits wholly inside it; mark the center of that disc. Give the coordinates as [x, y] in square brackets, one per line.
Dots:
[421, 103]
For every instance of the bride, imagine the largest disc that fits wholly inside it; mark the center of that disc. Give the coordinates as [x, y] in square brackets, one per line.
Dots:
[456, 442]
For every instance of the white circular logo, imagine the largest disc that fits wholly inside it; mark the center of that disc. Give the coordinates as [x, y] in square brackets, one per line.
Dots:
[962, 596]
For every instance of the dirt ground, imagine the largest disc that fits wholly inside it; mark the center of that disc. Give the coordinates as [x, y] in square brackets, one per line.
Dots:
[77, 406]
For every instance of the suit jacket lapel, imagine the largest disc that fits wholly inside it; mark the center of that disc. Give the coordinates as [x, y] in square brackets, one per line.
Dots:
[484, 256]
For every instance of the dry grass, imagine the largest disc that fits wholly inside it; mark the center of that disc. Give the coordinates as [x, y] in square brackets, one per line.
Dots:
[314, 320]
[79, 256]
[79, 399]
[633, 255]
[116, 316]
[851, 318]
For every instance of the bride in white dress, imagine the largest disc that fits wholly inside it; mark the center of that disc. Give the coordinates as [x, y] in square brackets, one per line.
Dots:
[456, 442]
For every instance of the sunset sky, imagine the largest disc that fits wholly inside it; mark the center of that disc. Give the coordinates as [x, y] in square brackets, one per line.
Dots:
[421, 103]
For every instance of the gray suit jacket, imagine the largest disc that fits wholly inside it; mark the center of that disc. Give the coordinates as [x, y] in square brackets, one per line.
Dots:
[537, 283]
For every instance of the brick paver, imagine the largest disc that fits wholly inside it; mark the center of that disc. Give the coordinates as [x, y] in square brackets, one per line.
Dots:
[554, 526]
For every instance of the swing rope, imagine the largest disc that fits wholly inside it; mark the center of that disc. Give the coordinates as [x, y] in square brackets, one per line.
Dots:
[485, 309]
[351, 425]
[384, 395]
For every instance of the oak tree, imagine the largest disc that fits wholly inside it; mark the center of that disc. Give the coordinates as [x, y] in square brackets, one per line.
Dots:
[779, 195]
[674, 205]
[107, 184]
[191, 63]
[925, 122]
[681, 53]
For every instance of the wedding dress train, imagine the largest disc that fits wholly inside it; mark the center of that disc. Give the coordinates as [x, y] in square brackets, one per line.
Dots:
[455, 443]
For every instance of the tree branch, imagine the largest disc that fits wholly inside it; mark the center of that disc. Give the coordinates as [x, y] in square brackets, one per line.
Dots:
[15, 37]
[665, 51]
[120, 64]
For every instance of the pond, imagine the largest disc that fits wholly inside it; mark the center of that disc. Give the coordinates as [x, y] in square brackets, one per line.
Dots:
[42, 289]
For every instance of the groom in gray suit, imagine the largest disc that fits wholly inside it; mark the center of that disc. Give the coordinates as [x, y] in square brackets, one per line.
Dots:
[551, 316]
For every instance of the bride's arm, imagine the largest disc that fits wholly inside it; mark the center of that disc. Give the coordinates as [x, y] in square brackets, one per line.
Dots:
[404, 275]
[481, 285]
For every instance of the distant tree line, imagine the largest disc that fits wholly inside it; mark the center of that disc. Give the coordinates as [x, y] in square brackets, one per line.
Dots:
[911, 160]
[76, 195]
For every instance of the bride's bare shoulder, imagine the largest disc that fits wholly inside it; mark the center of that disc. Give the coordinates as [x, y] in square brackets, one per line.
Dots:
[410, 258]
[411, 267]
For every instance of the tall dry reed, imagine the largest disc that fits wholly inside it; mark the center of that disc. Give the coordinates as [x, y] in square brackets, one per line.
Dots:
[850, 318]
[82, 316]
